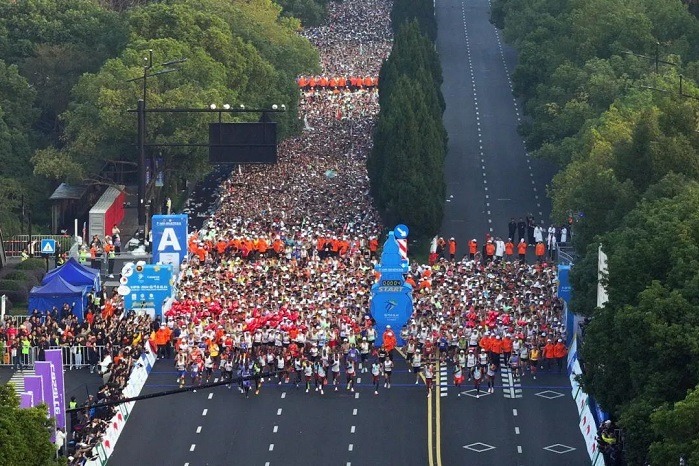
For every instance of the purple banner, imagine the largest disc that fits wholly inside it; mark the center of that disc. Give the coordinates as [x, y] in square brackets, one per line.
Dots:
[54, 356]
[45, 370]
[34, 384]
[26, 400]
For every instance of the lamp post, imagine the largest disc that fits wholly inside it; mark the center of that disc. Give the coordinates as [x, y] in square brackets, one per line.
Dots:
[141, 112]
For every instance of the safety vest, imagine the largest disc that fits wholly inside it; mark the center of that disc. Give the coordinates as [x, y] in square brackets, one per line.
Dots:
[72, 404]
[83, 256]
[112, 253]
[25, 346]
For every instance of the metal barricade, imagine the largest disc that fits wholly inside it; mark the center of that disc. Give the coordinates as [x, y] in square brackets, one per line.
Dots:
[74, 357]
[15, 245]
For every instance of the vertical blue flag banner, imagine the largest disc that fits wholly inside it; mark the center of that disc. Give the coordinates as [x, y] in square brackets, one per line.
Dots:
[391, 296]
[564, 283]
[169, 239]
[146, 287]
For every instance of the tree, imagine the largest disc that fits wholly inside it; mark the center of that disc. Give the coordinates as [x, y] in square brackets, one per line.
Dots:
[677, 431]
[24, 433]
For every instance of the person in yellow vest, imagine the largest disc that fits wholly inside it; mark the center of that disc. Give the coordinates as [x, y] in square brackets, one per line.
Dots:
[83, 255]
[25, 255]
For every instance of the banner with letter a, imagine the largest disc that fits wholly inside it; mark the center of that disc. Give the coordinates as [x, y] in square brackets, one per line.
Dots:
[391, 296]
[169, 239]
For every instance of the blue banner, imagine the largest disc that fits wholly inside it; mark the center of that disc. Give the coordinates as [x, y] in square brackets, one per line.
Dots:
[391, 296]
[147, 286]
[564, 287]
[169, 239]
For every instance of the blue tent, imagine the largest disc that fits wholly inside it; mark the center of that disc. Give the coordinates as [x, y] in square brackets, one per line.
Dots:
[75, 274]
[56, 293]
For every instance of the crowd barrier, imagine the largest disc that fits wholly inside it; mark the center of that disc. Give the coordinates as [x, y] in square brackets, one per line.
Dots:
[74, 357]
[586, 420]
[103, 450]
[15, 245]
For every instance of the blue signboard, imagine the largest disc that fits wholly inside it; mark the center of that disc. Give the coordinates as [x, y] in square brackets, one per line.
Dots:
[564, 287]
[401, 231]
[169, 239]
[391, 296]
[147, 286]
[48, 246]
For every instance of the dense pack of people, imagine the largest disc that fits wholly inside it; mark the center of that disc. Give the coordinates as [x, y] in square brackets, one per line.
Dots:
[279, 280]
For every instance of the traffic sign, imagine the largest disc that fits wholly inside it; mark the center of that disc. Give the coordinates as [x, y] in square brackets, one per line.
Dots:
[401, 231]
[48, 246]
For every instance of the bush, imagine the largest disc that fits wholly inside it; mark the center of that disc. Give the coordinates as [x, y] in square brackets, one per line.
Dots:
[14, 285]
[23, 276]
[32, 264]
[16, 296]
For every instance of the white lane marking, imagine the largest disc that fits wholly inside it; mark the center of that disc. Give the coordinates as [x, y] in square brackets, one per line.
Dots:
[354, 412]
[352, 430]
[517, 430]
[279, 412]
[211, 395]
[514, 412]
[186, 464]
[199, 430]
[192, 447]
[519, 449]
[351, 447]
[203, 413]
[271, 446]
[215, 379]
[267, 463]
[276, 428]
[356, 396]
[283, 395]
[359, 380]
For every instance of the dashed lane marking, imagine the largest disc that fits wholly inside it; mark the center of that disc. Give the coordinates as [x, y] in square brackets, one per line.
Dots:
[203, 413]
[211, 395]
[514, 411]
[271, 446]
[354, 412]
[279, 412]
[519, 448]
[352, 429]
[199, 430]
[192, 447]
[276, 428]
[351, 447]
[517, 430]
[283, 395]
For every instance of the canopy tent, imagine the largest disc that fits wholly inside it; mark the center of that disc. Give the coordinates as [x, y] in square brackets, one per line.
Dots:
[75, 274]
[57, 292]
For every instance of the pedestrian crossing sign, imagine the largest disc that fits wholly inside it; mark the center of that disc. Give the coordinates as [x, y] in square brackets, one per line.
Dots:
[48, 246]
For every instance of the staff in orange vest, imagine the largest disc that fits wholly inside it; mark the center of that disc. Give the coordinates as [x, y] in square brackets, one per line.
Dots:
[472, 248]
[509, 249]
[522, 250]
[389, 339]
[560, 352]
[489, 251]
[452, 248]
[540, 250]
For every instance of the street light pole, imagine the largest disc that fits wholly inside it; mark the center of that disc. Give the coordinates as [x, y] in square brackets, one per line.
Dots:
[141, 109]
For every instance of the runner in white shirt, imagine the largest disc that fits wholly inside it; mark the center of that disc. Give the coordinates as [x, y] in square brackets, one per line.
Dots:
[458, 378]
[388, 371]
[335, 369]
[350, 372]
[417, 365]
[308, 374]
[375, 374]
[320, 376]
[429, 375]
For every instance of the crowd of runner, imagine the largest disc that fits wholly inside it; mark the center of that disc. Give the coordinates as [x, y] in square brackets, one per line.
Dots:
[279, 280]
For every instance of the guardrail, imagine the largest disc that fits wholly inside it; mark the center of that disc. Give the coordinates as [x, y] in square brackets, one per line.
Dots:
[14, 246]
[74, 357]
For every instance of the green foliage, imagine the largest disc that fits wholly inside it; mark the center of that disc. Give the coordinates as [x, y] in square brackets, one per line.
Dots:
[627, 143]
[24, 433]
[309, 12]
[33, 263]
[237, 53]
[406, 11]
[406, 165]
[14, 285]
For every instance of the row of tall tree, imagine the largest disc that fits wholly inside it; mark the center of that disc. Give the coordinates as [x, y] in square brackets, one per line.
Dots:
[609, 88]
[406, 164]
[65, 90]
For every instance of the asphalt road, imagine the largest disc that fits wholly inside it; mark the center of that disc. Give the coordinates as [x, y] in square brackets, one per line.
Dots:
[282, 425]
[491, 178]
[489, 175]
